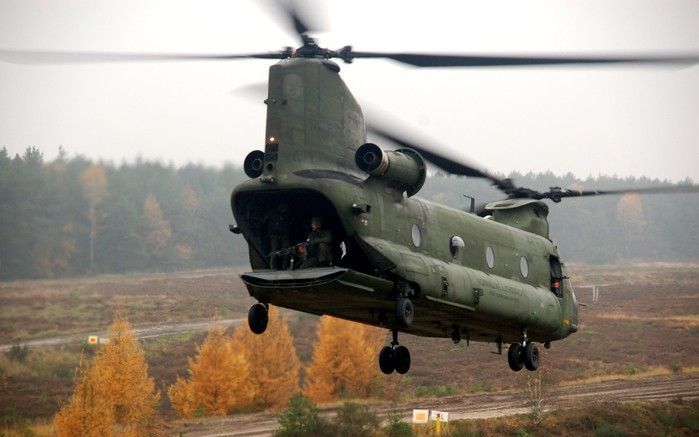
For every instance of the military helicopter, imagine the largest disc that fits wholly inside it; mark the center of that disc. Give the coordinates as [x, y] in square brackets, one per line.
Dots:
[407, 264]
[412, 266]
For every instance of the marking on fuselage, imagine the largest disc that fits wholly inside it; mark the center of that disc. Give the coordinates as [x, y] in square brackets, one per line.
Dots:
[446, 302]
[361, 287]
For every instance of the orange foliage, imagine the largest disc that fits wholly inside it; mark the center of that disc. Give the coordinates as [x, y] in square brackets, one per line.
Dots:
[218, 378]
[159, 229]
[273, 358]
[94, 184]
[344, 360]
[115, 396]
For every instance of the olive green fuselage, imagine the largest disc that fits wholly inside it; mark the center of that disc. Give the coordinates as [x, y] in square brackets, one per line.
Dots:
[490, 288]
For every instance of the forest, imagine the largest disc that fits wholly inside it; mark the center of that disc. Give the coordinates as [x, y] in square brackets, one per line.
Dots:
[72, 216]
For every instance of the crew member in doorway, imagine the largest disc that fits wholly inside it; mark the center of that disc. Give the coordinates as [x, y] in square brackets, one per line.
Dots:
[319, 251]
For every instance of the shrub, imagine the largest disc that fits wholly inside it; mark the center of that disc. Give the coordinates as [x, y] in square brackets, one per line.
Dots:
[434, 391]
[354, 420]
[397, 427]
[18, 352]
[300, 418]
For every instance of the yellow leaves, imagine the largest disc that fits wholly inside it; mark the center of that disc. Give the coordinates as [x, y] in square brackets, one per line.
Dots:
[94, 184]
[218, 378]
[114, 396]
[344, 360]
[233, 371]
[158, 229]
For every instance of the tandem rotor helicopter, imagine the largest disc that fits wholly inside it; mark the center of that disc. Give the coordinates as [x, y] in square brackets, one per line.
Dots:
[375, 253]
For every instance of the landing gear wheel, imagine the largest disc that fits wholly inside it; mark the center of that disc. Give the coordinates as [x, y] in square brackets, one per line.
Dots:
[404, 312]
[531, 356]
[258, 318]
[401, 357]
[386, 360]
[514, 357]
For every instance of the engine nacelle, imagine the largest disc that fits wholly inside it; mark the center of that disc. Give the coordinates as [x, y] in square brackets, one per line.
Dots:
[253, 164]
[402, 169]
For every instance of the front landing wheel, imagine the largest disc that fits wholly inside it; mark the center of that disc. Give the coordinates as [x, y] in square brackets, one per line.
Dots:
[258, 318]
[386, 363]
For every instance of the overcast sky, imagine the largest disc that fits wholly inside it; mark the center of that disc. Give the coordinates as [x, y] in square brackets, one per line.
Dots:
[587, 120]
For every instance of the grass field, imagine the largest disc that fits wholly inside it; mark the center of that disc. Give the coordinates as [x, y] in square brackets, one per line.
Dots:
[645, 322]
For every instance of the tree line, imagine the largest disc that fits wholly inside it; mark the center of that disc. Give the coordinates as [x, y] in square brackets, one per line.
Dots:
[73, 216]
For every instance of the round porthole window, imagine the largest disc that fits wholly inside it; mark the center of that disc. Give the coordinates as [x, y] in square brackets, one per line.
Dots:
[489, 257]
[524, 266]
[456, 245]
[415, 233]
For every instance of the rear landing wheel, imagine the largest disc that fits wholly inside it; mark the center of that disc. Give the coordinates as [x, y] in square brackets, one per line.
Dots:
[258, 318]
[514, 357]
[401, 357]
[531, 356]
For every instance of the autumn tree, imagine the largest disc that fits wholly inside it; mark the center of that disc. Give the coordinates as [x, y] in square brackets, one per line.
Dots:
[273, 357]
[158, 229]
[344, 360]
[218, 378]
[93, 181]
[115, 396]
[632, 218]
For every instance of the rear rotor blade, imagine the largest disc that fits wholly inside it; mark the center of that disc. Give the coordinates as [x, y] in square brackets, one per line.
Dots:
[42, 57]
[467, 60]
[649, 190]
[457, 167]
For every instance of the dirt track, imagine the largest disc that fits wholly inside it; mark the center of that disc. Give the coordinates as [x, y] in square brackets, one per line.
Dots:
[476, 406]
[142, 333]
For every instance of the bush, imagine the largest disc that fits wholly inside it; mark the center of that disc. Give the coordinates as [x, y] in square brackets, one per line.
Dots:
[607, 430]
[434, 391]
[18, 352]
[397, 427]
[354, 420]
[300, 418]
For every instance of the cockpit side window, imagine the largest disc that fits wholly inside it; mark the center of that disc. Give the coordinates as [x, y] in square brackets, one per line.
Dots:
[556, 276]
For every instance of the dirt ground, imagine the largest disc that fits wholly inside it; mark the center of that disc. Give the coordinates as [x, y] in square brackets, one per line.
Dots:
[471, 406]
[645, 323]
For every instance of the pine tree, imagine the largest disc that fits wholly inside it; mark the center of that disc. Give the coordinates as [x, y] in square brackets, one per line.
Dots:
[115, 396]
[272, 356]
[344, 360]
[218, 378]
[88, 414]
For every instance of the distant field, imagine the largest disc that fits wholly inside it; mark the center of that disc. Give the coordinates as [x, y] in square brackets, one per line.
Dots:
[646, 322]
[43, 308]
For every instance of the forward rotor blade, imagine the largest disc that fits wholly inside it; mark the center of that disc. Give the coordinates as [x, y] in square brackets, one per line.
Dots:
[466, 60]
[41, 57]
[650, 190]
[457, 167]
[299, 21]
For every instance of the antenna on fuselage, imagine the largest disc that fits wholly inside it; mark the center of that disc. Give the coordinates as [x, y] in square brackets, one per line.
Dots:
[472, 208]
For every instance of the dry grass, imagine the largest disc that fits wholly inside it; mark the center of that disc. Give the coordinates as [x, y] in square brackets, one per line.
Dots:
[44, 308]
[686, 322]
[33, 428]
[629, 376]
